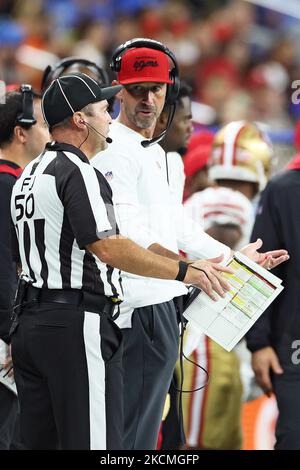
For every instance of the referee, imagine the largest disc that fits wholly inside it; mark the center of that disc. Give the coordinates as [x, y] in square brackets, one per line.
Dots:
[67, 350]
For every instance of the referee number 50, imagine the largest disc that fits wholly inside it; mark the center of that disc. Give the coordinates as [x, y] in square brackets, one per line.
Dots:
[24, 206]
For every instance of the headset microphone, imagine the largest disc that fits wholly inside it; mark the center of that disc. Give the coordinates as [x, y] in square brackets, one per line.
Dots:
[107, 139]
[155, 140]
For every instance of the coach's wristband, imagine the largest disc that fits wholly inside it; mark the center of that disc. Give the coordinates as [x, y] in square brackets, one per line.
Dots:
[183, 267]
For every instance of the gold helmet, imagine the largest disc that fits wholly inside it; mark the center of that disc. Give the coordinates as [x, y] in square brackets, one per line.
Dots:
[241, 152]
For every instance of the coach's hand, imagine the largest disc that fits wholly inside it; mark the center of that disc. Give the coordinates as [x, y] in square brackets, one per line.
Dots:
[269, 259]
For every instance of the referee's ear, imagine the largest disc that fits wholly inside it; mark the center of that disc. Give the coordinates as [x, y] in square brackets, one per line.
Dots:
[78, 120]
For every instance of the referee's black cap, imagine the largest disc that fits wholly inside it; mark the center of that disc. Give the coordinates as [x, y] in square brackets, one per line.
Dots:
[71, 93]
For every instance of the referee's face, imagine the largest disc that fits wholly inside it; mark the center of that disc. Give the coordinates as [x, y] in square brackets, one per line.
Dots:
[97, 116]
[142, 103]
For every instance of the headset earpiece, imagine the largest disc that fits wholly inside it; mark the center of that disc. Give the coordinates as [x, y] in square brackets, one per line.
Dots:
[26, 117]
[173, 90]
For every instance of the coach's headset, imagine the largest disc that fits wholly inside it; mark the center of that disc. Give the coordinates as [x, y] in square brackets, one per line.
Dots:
[172, 88]
[26, 118]
[51, 73]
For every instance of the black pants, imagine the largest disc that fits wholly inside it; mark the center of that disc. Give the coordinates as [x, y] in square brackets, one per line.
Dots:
[8, 416]
[287, 391]
[69, 378]
[150, 354]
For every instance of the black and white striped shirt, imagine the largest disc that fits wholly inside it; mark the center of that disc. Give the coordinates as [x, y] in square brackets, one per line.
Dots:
[59, 205]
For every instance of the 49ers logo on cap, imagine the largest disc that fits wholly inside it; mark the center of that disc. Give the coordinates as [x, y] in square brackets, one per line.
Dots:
[139, 65]
[142, 64]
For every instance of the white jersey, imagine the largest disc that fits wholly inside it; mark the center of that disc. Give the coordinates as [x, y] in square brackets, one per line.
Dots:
[176, 176]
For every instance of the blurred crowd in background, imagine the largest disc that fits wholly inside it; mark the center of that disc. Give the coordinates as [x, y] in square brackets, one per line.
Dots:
[240, 58]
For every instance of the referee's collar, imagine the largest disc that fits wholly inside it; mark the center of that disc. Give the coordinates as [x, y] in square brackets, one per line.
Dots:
[63, 147]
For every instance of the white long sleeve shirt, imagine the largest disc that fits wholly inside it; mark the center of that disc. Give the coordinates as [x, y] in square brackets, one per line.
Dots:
[147, 213]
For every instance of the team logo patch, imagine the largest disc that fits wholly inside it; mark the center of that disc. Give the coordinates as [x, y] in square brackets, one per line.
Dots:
[109, 175]
[139, 65]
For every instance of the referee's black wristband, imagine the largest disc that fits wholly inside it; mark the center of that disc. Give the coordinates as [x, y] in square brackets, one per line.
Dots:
[183, 267]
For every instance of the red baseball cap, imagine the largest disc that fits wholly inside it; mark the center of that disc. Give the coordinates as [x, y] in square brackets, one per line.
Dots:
[196, 159]
[202, 137]
[142, 64]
